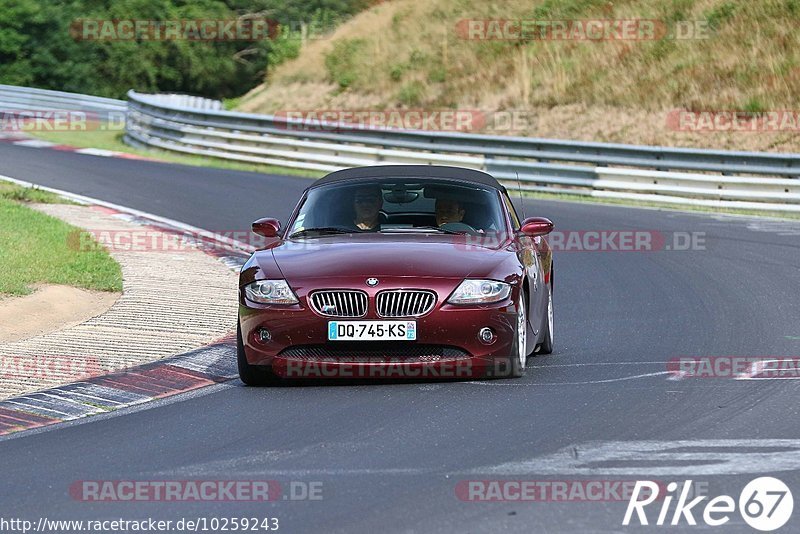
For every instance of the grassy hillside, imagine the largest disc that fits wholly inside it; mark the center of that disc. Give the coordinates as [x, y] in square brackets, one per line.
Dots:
[410, 54]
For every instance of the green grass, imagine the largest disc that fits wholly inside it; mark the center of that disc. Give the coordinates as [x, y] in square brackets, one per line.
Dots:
[231, 103]
[112, 140]
[410, 94]
[342, 63]
[36, 248]
[18, 193]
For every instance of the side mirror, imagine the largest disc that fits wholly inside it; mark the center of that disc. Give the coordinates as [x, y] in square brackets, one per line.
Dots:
[267, 227]
[536, 226]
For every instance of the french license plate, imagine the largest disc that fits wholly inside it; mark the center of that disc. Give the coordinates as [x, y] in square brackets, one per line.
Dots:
[372, 330]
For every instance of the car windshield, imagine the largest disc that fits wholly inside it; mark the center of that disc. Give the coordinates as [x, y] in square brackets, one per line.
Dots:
[399, 206]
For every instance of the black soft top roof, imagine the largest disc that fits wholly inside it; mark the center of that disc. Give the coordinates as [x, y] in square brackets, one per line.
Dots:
[411, 171]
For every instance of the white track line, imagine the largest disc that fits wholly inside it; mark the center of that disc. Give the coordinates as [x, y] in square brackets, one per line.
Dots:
[34, 143]
[588, 382]
[97, 152]
[593, 364]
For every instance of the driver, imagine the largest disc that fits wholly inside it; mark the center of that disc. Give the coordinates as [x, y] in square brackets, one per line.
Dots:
[448, 210]
[367, 203]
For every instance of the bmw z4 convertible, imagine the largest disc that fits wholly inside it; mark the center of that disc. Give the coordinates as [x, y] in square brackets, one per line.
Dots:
[397, 271]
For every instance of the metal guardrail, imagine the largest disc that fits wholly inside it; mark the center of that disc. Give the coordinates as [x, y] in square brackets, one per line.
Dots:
[187, 101]
[194, 125]
[20, 99]
[750, 180]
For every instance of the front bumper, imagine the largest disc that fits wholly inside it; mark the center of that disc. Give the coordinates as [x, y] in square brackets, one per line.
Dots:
[447, 344]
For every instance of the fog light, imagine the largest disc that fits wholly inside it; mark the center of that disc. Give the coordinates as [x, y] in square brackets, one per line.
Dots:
[263, 335]
[486, 335]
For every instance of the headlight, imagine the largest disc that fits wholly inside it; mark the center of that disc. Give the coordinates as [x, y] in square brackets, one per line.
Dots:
[270, 292]
[480, 292]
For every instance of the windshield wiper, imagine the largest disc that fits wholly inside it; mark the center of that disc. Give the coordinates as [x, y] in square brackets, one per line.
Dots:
[322, 230]
[441, 230]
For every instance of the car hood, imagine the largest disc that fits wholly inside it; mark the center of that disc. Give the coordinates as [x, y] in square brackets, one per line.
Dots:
[387, 255]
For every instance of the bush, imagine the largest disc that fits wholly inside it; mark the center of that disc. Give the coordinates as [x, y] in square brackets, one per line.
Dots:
[341, 62]
[411, 94]
[37, 49]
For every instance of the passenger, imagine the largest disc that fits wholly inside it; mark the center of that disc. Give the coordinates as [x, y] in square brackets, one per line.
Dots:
[448, 211]
[367, 203]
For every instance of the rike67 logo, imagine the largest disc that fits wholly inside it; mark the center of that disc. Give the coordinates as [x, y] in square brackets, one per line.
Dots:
[765, 504]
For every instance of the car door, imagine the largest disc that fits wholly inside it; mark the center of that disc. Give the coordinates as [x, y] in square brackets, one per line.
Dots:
[529, 257]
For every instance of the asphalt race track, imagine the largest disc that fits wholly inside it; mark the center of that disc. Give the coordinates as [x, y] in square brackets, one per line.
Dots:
[390, 457]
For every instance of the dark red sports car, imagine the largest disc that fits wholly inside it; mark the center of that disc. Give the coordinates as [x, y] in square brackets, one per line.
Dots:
[401, 272]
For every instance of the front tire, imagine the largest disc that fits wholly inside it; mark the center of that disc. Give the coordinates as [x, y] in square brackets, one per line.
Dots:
[252, 375]
[519, 354]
